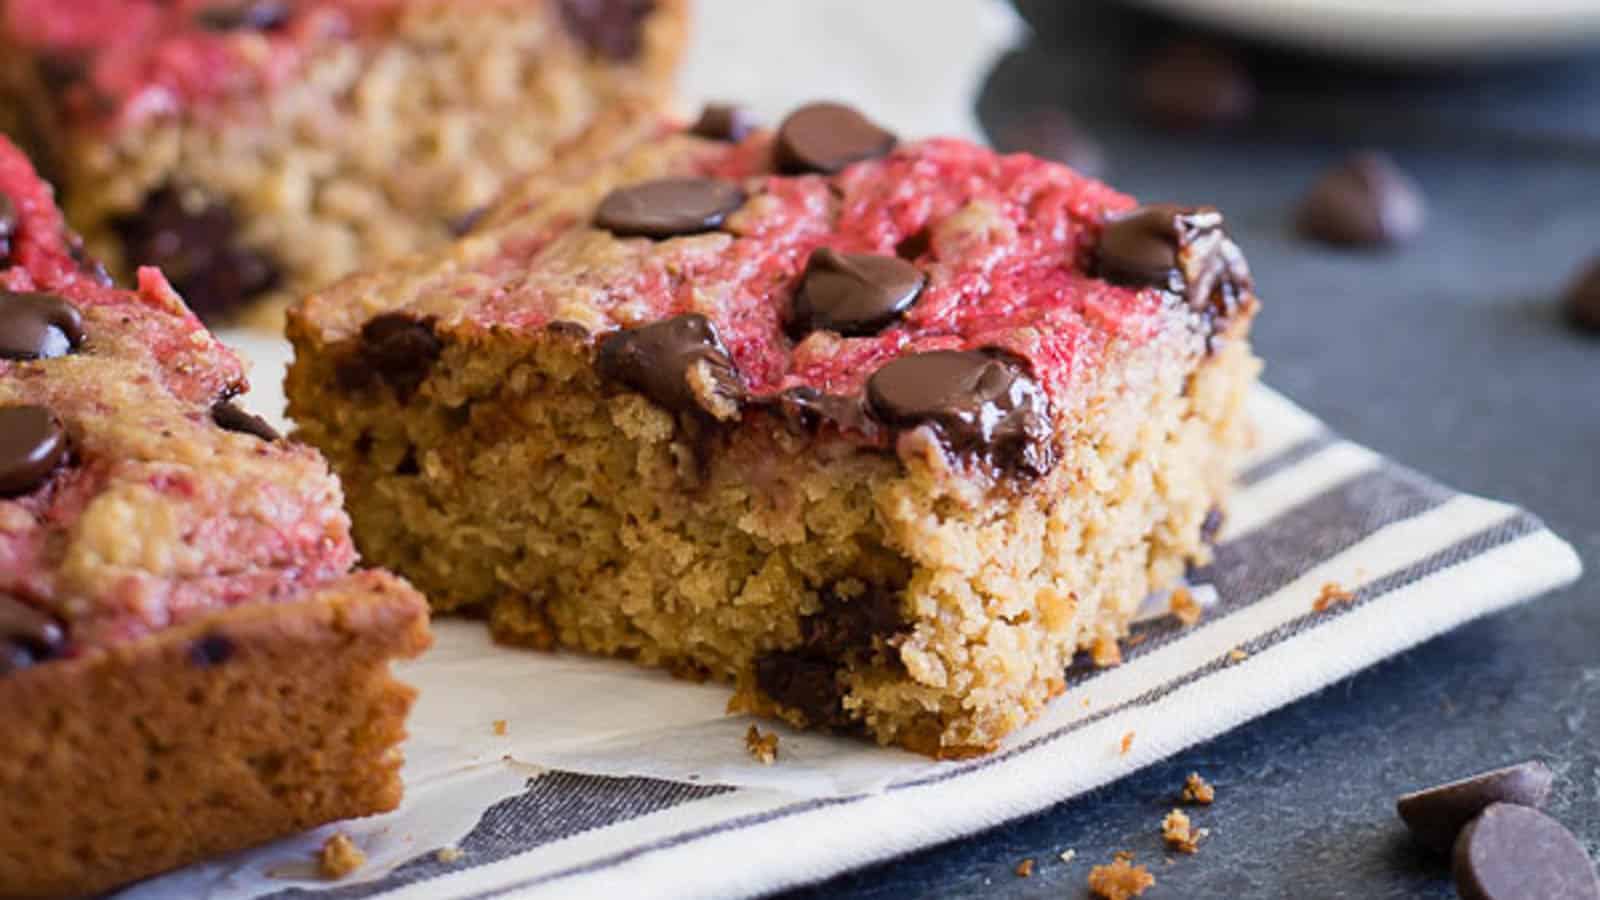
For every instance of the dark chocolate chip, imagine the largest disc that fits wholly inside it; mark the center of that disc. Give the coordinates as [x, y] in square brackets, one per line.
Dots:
[1184, 250]
[1512, 852]
[979, 402]
[1052, 134]
[609, 28]
[395, 349]
[38, 326]
[194, 240]
[1437, 814]
[230, 417]
[668, 207]
[211, 650]
[826, 137]
[27, 636]
[724, 122]
[854, 294]
[805, 684]
[915, 245]
[657, 359]
[852, 625]
[1189, 86]
[1365, 201]
[805, 409]
[32, 444]
[255, 15]
[1583, 299]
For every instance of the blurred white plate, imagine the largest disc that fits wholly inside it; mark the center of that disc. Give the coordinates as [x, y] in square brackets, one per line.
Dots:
[1431, 31]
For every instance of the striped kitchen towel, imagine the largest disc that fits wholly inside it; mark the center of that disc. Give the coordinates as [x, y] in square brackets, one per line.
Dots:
[1332, 559]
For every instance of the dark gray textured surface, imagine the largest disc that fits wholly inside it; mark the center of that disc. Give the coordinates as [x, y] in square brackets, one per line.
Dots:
[1449, 355]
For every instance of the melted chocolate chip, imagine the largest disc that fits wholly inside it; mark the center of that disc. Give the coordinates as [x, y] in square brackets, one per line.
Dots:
[845, 630]
[657, 359]
[38, 326]
[854, 294]
[254, 15]
[668, 207]
[230, 417]
[1436, 815]
[195, 242]
[395, 349]
[32, 444]
[609, 28]
[724, 122]
[1184, 250]
[1512, 852]
[827, 137]
[979, 402]
[1366, 201]
[27, 636]
[805, 684]
[211, 650]
[805, 409]
[1583, 299]
[1188, 86]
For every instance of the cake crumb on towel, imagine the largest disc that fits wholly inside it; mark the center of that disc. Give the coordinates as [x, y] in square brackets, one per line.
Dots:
[764, 747]
[1331, 594]
[1120, 880]
[1198, 791]
[449, 854]
[339, 857]
[1179, 833]
[1025, 868]
[1105, 652]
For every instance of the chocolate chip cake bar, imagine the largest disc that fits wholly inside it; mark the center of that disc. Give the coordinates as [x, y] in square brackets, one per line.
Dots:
[883, 432]
[188, 663]
[253, 149]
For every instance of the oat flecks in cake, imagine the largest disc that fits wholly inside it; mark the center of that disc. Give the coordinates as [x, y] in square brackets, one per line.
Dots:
[1120, 879]
[1198, 791]
[763, 747]
[339, 857]
[1185, 608]
[709, 472]
[1329, 596]
[1180, 834]
[1024, 869]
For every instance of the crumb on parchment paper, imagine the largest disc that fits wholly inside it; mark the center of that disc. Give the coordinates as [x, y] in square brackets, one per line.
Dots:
[764, 747]
[1198, 791]
[1127, 743]
[339, 857]
[1332, 593]
[1120, 879]
[1185, 608]
[500, 727]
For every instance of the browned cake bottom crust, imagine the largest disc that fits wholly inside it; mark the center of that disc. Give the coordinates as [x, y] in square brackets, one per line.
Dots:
[206, 738]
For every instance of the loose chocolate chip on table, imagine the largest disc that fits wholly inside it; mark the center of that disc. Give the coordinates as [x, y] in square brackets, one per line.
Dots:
[27, 636]
[1181, 249]
[1052, 134]
[668, 207]
[395, 349]
[257, 15]
[1583, 299]
[1436, 815]
[230, 417]
[610, 28]
[1192, 85]
[1365, 201]
[979, 402]
[1512, 852]
[853, 294]
[32, 444]
[826, 137]
[194, 240]
[38, 326]
[724, 122]
[657, 360]
[211, 650]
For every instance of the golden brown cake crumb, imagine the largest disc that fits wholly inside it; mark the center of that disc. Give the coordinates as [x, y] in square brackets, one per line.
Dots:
[449, 854]
[1127, 743]
[1120, 880]
[1237, 655]
[1025, 868]
[763, 747]
[1198, 791]
[500, 727]
[1185, 608]
[339, 857]
[1331, 594]
[1179, 833]
[1106, 653]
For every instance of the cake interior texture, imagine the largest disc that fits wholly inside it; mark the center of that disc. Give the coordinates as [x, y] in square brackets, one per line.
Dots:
[926, 598]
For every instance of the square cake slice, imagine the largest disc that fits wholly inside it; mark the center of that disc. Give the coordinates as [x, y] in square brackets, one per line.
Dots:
[883, 432]
[255, 149]
[188, 663]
